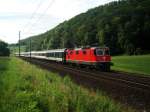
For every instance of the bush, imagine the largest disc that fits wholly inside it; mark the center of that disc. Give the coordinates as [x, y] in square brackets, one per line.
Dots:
[4, 51]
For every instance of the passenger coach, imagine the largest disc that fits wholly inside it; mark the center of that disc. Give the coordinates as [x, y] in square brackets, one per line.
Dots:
[56, 55]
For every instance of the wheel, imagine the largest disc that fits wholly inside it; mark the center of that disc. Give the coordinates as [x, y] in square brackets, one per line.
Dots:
[106, 67]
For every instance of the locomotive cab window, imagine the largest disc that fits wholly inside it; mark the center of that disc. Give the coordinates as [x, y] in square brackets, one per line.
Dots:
[99, 52]
[107, 52]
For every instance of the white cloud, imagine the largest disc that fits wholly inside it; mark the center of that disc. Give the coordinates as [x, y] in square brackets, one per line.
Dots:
[15, 15]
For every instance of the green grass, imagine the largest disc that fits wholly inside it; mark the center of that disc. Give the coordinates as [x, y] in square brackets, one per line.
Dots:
[134, 64]
[26, 88]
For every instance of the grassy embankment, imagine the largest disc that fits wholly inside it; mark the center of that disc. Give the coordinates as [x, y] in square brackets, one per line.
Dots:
[134, 64]
[26, 88]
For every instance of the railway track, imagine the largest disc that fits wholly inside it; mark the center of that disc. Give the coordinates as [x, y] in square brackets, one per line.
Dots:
[130, 89]
[130, 81]
[132, 84]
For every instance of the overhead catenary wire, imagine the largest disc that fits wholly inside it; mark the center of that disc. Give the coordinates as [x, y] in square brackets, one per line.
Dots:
[33, 14]
[40, 17]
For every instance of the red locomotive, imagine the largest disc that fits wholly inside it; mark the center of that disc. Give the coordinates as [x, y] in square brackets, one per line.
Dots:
[94, 57]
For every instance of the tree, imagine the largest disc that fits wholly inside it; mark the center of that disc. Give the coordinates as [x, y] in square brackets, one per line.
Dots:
[4, 51]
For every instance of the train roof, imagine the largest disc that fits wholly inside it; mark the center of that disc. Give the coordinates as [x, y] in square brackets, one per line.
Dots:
[56, 50]
[45, 51]
[61, 50]
[88, 48]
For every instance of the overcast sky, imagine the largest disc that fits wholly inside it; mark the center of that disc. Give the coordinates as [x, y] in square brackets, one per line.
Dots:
[33, 17]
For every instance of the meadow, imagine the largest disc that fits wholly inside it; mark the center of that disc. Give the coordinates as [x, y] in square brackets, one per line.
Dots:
[27, 88]
[135, 64]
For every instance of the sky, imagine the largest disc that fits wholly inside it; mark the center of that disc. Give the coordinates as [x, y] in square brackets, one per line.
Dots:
[33, 17]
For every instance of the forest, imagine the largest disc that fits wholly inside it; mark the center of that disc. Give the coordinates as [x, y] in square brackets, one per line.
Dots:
[123, 26]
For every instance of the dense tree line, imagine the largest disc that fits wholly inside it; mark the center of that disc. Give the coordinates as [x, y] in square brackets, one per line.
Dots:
[122, 25]
[4, 51]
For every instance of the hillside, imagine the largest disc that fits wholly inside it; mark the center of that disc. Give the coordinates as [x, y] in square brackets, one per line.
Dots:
[122, 25]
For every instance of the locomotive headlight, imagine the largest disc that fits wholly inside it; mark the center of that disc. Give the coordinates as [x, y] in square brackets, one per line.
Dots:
[104, 58]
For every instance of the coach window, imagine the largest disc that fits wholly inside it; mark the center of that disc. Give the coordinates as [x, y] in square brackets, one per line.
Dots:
[55, 55]
[51, 54]
[62, 54]
[48, 54]
[59, 54]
